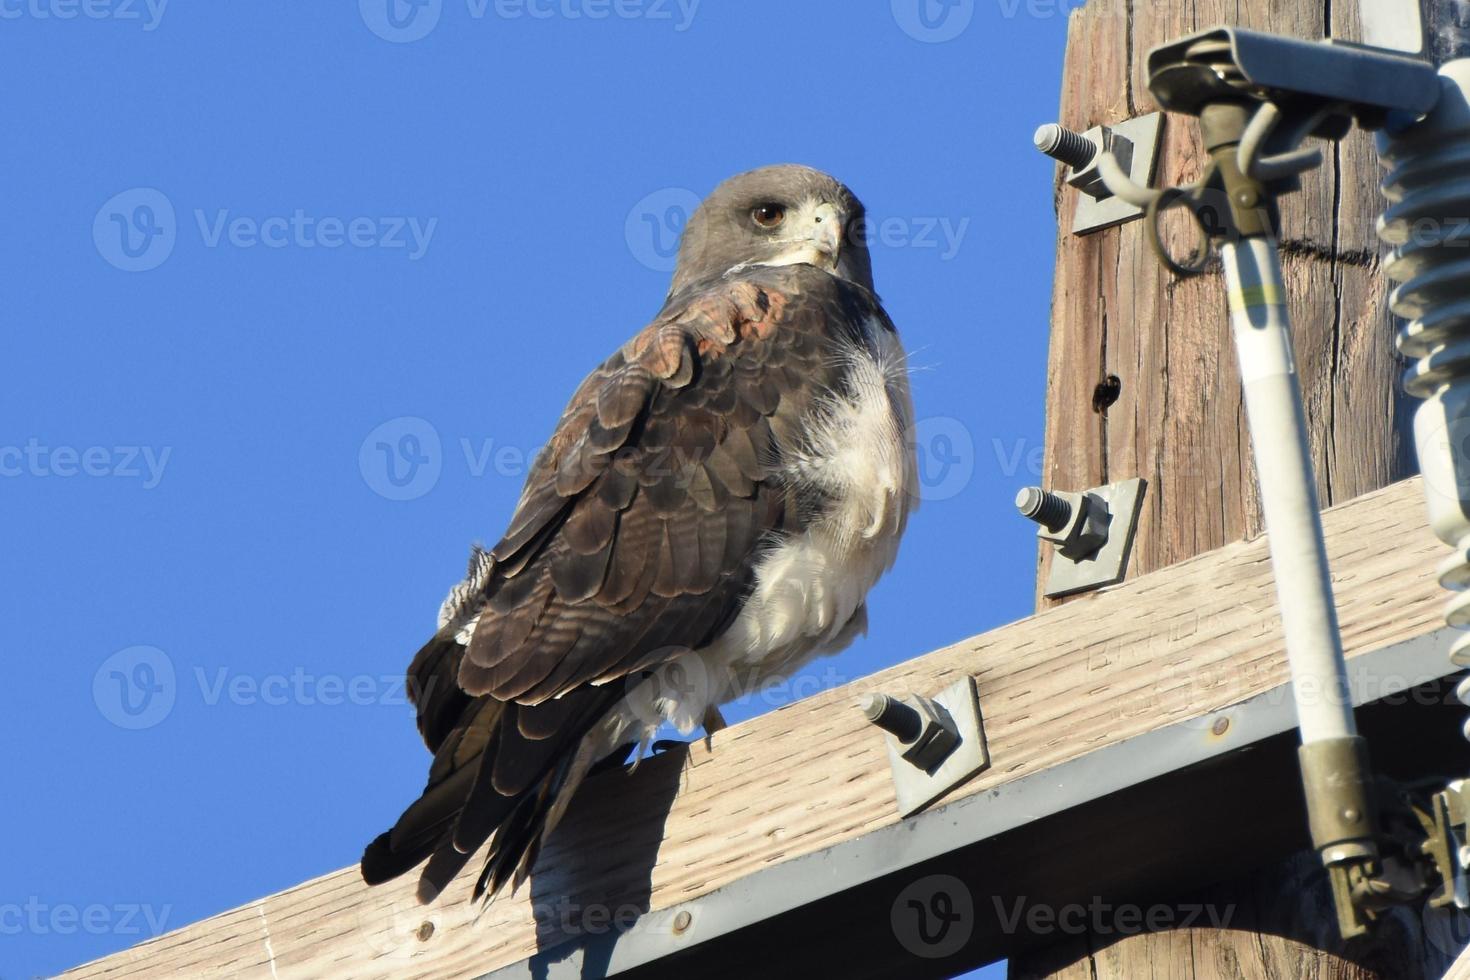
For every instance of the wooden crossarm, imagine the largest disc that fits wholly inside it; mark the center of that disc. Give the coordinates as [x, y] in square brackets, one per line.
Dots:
[798, 804]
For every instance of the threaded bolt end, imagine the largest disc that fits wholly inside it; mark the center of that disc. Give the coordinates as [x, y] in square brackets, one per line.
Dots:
[893, 716]
[1044, 508]
[1061, 143]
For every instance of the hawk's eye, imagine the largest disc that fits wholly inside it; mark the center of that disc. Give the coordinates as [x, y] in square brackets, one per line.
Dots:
[768, 215]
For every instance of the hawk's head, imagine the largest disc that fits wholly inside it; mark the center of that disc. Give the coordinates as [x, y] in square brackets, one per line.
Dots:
[777, 215]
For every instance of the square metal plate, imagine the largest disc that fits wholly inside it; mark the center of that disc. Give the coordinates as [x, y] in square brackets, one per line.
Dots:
[1109, 565]
[1143, 133]
[916, 788]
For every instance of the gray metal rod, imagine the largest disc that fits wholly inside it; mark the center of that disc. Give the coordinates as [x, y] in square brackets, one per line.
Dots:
[1273, 401]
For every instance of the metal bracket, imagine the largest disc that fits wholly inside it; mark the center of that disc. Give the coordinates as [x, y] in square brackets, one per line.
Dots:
[934, 744]
[1368, 85]
[1447, 845]
[1133, 143]
[1076, 523]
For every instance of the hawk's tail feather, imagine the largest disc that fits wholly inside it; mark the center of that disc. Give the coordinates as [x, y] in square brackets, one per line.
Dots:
[504, 770]
[433, 689]
[516, 841]
[381, 863]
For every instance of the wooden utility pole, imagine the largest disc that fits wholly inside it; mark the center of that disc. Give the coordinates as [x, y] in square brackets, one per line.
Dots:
[1179, 420]
[1162, 344]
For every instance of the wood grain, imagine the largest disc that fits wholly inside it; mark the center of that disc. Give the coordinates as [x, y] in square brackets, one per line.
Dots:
[1179, 421]
[1461, 968]
[811, 775]
[1275, 930]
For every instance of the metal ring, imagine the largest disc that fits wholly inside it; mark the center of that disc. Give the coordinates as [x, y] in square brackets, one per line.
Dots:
[1169, 197]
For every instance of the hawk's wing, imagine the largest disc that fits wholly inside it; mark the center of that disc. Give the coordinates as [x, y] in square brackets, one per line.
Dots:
[634, 541]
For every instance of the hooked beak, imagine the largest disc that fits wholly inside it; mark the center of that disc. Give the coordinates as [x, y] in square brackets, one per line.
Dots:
[818, 242]
[825, 235]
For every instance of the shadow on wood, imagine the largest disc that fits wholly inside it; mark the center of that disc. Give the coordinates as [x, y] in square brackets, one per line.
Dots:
[570, 897]
[1069, 889]
[1269, 921]
[785, 828]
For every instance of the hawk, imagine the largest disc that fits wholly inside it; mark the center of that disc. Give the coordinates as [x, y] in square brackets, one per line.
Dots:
[710, 513]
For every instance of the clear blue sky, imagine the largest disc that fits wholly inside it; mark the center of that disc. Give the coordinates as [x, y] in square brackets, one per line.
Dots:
[245, 244]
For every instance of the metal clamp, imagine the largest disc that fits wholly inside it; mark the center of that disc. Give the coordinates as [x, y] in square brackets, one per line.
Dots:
[1447, 844]
[1130, 147]
[1093, 532]
[934, 744]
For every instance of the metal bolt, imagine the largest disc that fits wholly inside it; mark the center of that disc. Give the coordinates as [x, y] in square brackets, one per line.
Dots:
[893, 716]
[923, 729]
[1044, 507]
[424, 931]
[682, 921]
[1061, 143]
[1221, 726]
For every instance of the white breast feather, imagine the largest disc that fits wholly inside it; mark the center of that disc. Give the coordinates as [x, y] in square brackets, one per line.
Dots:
[808, 593]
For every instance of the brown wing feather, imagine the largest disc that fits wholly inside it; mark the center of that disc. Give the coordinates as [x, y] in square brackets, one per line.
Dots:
[672, 426]
[634, 538]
